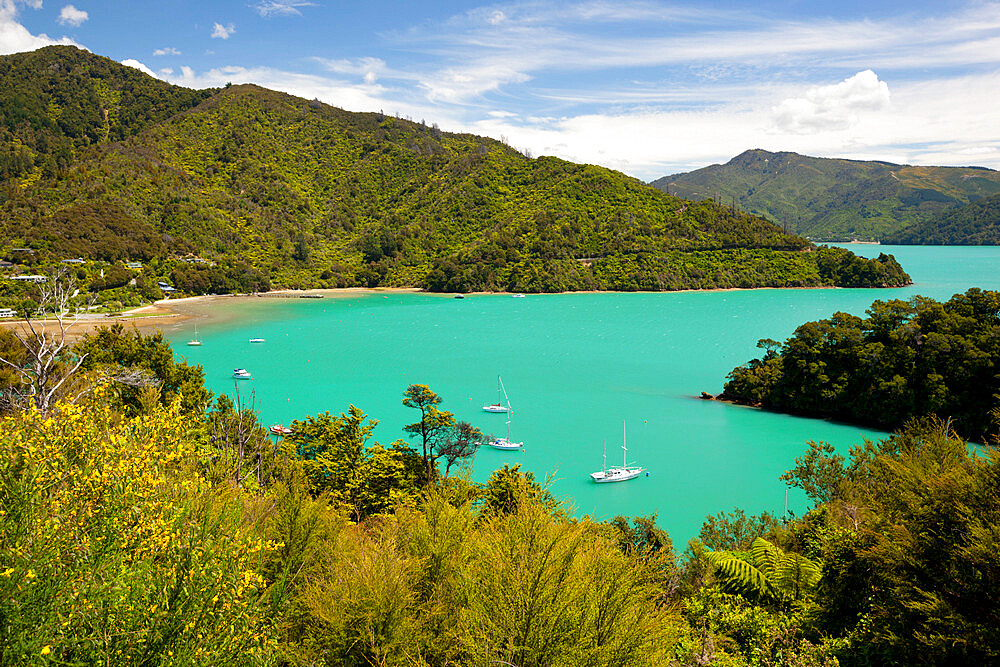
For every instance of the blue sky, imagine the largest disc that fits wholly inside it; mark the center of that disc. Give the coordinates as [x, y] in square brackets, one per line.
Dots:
[647, 87]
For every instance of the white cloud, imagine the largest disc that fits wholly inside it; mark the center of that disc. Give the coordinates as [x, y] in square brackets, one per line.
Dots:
[132, 62]
[269, 8]
[220, 31]
[834, 107]
[70, 15]
[368, 68]
[166, 51]
[15, 38]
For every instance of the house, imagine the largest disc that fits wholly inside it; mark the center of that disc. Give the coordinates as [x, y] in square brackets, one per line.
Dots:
[78, 260]
[166, 287]
[4, 264]
[7, 312]
[133, 265]
[31, 278]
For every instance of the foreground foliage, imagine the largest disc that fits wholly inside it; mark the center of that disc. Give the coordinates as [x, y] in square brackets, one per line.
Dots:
[133, 531]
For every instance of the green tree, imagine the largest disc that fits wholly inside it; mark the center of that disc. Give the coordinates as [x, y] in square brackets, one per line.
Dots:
[441, 435]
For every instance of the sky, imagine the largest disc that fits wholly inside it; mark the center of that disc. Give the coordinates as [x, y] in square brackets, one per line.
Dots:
[646, 87]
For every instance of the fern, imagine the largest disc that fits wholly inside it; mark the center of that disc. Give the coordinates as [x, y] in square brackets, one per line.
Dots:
[771, 574]
[738, 575]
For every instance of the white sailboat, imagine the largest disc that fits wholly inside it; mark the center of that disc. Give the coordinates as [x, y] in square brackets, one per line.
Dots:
[615, 474]
[505, 443]
[195, 341]
[498, 406]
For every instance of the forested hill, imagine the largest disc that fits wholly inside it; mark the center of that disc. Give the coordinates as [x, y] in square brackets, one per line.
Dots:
[832, 199]
[60, 99]
[312, 195]
[977, 223]
[906, 360]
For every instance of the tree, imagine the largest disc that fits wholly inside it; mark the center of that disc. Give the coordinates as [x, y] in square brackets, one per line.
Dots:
[334, 451]
[46, 364]
[441, 436]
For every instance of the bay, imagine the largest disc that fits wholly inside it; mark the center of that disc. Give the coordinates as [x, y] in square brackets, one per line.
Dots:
[576, 366]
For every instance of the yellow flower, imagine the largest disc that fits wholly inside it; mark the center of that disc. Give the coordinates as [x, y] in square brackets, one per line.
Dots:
[46, 650]
[8, 572]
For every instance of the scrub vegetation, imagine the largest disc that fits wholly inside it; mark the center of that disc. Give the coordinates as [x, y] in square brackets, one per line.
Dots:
[143, 521]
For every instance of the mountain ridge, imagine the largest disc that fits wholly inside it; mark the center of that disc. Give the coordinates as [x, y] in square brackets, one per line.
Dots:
[834, 198]
[316, 196]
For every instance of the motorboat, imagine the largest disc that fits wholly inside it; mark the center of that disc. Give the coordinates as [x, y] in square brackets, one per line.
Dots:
[241, 374]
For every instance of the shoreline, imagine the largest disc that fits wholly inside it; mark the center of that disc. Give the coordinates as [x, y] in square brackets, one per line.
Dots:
[168, 313]
[176, 311]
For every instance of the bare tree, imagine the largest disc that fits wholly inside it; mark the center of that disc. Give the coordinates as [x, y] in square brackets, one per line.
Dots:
[46, 341]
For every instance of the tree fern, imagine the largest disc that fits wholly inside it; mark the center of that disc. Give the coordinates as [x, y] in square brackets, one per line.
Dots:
[771, 573]
[738, 575]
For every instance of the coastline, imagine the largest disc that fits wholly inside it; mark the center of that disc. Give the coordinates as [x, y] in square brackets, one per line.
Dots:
[170, 313]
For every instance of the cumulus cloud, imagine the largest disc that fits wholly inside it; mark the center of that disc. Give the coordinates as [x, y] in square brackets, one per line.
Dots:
[220, 31]
[15, 38]
[267, 8]
[132, 62]
[70, 15]
[834, 107]
[167, 51]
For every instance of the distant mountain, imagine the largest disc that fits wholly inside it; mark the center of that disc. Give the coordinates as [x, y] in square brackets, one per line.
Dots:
[111, 164]
[832, 199]
[977, 223]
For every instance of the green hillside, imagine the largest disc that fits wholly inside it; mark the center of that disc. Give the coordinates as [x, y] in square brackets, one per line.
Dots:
[977, 223]
[58, 100]
[314, 196]
[828, 199]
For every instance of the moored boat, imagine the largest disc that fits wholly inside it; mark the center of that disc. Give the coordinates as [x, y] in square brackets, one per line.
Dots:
[617, 474]
[241, 374]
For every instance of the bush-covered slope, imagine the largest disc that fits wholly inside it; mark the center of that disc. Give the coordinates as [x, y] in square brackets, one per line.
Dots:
[906, 359]
[314, 196]
[834, 199]
[977, 223]
[60, 99]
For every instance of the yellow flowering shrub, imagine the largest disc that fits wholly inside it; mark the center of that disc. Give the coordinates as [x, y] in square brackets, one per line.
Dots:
[115, 551]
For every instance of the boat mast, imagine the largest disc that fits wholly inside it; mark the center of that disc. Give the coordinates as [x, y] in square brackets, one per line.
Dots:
[624, 449]
[604, 466]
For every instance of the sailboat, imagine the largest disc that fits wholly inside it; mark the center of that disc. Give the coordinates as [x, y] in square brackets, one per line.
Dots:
[625, 472]
[505, 443]
[195, 340]
[498, 406]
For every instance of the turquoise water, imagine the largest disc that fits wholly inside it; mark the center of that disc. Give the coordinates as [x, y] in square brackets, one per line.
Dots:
[575, 366]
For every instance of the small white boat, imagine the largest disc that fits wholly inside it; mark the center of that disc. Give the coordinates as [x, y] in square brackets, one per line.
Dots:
[622, 474]
[498, 406]
[505, 443]
[241, 374]
[278, 429]
[256, 340]
[518, 296]
[195, 341]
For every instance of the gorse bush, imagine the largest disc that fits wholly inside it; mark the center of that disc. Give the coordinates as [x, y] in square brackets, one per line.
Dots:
[113, 549]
